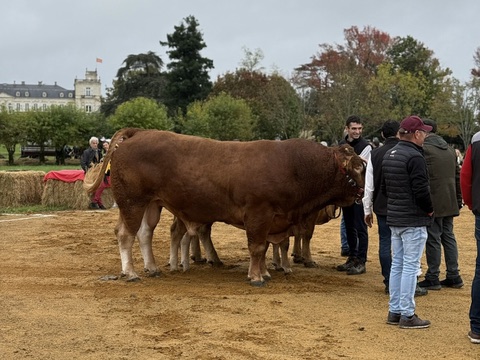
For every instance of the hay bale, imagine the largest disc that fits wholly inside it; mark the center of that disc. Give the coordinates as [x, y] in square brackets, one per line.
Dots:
[71, 195]
[18, 188]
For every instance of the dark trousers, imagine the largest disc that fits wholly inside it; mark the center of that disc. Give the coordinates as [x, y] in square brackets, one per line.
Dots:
[384, 247]
[357, 234]
[475, 306]
[440, 233]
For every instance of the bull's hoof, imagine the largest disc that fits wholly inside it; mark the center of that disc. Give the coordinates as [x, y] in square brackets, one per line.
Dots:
[216, 263]
[152, 273]
[310, 264]
[287, 271]
[133, 279]
[267, 277]
[297, 259]
[276, 267]
[258, 283]
[198, 261]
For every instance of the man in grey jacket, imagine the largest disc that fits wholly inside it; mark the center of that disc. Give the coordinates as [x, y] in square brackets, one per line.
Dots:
[444, 174]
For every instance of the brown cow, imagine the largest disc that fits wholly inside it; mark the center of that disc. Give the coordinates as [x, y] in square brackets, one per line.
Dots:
[262, 186]
[302, 234]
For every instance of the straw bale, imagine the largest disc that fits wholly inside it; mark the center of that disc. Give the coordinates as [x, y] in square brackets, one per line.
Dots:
[71, 195]
[18, 188]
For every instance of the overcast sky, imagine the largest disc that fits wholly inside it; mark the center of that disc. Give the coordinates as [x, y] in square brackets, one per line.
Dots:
[57, 40]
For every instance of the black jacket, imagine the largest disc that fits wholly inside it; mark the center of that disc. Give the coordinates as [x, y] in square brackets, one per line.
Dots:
[376, 158]
[89, 156]
[406, 186]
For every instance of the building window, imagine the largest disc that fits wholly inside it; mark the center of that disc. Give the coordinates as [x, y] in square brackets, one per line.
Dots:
[44, 106]
[62, 94]
[44, 94]
[27, 107]
[10, 107]
[88, 108]
[87, 91]
[70, 95]
[27, 94]
[17, 93]
[19, 107]
[35, 106]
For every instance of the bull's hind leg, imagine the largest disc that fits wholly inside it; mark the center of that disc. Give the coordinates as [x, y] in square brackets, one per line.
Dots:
[125, 242]
[145, 234]
[177, 231]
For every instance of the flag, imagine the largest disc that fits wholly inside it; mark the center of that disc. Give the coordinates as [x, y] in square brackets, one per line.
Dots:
[99, 60]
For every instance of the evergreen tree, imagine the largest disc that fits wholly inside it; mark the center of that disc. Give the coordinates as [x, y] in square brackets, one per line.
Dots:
[187, 77]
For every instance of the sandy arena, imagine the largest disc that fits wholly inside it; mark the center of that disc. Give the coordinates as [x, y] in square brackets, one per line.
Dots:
[55, 305]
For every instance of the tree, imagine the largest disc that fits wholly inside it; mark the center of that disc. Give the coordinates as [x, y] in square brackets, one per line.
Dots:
[187, 79]
[141, 76]
[141, 113]
[12, 131]
[220, 117]
[273, 101]
[393, 95]
[334, 83]
[252, 60]
[408, 55]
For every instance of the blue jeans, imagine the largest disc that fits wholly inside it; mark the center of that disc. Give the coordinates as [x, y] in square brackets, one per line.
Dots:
[384, 248]
[407, 248]
[475, 306]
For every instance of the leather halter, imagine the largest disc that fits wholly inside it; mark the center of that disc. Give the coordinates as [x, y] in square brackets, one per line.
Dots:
[351, 182]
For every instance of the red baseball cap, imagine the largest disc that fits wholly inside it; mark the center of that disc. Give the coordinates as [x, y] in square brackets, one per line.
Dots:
[412, 124]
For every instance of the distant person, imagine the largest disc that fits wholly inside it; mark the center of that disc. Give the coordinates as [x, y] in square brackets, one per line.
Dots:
[409, 211]
[444, 175]
[470, 183]
[90, 157]
[356, 229]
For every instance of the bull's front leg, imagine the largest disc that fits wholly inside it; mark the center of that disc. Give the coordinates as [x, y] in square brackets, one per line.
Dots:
[185, 250]
[285, 262]
[205, 236]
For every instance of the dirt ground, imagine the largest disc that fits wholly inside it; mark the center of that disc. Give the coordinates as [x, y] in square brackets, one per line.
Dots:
[55, 305]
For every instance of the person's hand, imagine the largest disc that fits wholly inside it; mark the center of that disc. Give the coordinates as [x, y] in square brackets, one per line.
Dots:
[369, 220]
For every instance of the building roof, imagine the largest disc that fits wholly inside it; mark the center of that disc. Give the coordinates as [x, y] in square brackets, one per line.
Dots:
[39, 90]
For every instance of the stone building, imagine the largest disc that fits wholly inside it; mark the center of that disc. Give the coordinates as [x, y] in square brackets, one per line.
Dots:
[86, 94]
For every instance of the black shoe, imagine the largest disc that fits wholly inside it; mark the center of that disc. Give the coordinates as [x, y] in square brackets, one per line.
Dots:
[93, 206]
[344, 252]
[102, 207]
[430, 284]
[357, 268]
[455, 283]
[413, 322]
[393, 318]
[345, 267]
[474, 338]
[419, 291]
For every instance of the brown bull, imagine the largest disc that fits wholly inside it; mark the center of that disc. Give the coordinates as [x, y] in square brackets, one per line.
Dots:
[263, 186]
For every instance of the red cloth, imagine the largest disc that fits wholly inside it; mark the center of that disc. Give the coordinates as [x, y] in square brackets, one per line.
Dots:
[65, 175]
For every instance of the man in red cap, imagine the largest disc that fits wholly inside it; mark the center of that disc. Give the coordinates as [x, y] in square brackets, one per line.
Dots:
[409, 212]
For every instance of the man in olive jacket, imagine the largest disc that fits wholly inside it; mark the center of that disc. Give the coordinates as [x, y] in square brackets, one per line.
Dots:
[444, 174]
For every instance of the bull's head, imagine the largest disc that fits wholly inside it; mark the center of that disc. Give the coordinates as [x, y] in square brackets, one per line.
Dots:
[353, 167]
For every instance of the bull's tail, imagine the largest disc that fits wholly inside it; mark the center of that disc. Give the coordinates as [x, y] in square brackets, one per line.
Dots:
[96, 174]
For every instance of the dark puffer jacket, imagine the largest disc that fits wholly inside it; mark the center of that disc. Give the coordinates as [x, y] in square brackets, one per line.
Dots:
[406, 185]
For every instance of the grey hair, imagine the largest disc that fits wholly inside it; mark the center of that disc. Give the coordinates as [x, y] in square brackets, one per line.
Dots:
[92, 139]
